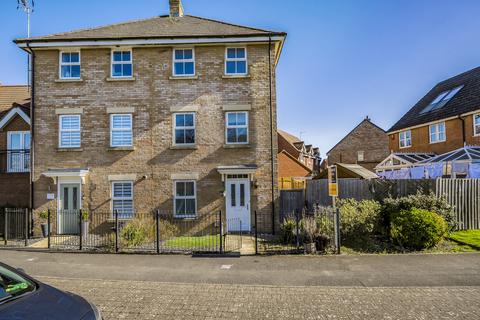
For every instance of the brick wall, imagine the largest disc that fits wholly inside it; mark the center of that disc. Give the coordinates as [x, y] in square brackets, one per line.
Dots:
[365, 137]
[152, 94]
[454, 138]
[288, 167]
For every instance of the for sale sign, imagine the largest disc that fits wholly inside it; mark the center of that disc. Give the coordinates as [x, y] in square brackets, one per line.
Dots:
[332, 181]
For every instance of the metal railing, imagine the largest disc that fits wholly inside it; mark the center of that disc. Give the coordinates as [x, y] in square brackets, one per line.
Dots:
[14, 161]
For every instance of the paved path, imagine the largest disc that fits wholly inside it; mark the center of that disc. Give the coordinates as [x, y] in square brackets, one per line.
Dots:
[276, 287]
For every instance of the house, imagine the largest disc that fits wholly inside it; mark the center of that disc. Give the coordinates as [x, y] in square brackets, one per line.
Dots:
[175, 113]
[306, 156]
[366, 145]
[14, 146]
[445, 119]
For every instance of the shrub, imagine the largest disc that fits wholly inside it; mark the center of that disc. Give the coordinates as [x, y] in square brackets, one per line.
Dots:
[288, 230]
[142, 231]
[428, 202]
[417, 228]
[310, 228]
[358, 218]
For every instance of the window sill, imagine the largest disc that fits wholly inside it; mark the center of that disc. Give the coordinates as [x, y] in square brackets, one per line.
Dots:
[183, 77]
[121, 148]
[435, 142]
[185, 217]
[236, 76]
[69, 149]
[187, 147]
[406, 147]
[237, 146]
[68, 80]
[113, 79]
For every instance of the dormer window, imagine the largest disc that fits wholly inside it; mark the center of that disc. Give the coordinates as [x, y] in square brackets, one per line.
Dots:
[442, 99]
[70, 65]
[122, 66]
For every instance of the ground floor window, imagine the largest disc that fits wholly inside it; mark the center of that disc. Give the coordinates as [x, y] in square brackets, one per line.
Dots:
[185, 202]
[122, 199]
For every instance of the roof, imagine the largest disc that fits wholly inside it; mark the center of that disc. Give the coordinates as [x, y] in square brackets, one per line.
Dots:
[13, 94]
[467, 153]
[350, 170]
[289, 137]
[366, 120]
[157, 27]
[466, 100]
[399, 160]
[16, 110]
[296, 160]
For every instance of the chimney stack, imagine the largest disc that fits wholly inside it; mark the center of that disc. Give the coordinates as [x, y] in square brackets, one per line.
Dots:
[176, 8]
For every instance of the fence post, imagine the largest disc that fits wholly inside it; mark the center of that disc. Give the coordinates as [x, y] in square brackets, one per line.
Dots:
[5, 227]
[337, 230]
[297, 229]
[80, 229]
[221, 231]
[26, 227]
[48, 228]
[116, 230]
[157, 228]
[256, 232]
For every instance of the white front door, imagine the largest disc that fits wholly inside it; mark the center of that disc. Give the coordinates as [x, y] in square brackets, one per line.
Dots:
[238, 204]
[69, 206]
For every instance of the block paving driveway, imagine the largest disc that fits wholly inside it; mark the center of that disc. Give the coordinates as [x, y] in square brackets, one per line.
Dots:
[345, 287]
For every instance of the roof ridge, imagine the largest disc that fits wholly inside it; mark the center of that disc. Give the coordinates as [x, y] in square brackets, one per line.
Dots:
[458, 76]
[94, 28]
[13, 85]
[232, 24]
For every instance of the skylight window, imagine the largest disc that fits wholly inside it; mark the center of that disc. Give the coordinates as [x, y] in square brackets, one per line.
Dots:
[442, 99]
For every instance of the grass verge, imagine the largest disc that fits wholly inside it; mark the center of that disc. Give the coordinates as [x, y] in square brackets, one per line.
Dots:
[193, 242]
[467, 237]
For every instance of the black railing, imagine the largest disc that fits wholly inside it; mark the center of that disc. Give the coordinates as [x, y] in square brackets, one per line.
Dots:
[14, 161]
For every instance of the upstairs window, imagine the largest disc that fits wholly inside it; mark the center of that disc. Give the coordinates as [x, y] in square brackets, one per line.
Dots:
[122, 64]
[437, 132]
[185, 203]
[405, 139]
[236, 61]
[69, 65]
[360, 156]
[183, 62]
[442, 99]
[122, 199]
[476, 124]
[121, 130]
[237, 127]
[184, 128]
[69, 131]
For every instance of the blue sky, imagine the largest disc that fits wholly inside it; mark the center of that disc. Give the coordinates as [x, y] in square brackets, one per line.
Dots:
[343, 59]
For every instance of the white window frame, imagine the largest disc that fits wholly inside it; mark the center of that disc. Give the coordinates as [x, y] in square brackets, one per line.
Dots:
[184, 60]
[437, 132]
[122, 129]
[246, 125]
[175, 197]
[121, 62]
[227, 59]
[122, 198]
[60, 130]
[405, 139]
[23, 159]
[476, 132]
[61, 64]
[184, 128]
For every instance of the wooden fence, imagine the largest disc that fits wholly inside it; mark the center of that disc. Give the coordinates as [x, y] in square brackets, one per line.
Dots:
[291, 183]
[291, 201]
[463, 194]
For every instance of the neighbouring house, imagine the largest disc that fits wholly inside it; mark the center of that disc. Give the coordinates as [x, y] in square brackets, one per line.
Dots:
[307, 155]
[366, 145]
[170, 113]
[349, 171]
[14, 146]
[443, 128]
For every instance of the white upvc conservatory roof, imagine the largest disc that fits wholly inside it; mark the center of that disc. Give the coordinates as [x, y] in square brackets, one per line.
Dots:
[399, 160]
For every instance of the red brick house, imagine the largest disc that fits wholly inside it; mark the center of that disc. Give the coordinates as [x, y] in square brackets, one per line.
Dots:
[295, 158]
[14, 146]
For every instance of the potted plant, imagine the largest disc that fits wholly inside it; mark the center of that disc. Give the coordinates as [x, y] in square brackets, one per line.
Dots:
[85, 223]
[44, 224]
[310, 228]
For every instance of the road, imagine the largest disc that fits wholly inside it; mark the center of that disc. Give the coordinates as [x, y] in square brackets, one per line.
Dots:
[281, 287]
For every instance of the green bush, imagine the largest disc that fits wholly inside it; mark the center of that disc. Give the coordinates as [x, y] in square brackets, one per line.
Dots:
[358, 218]
[288, 230]
[142, 231]
[428, 202]
[417, 228]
